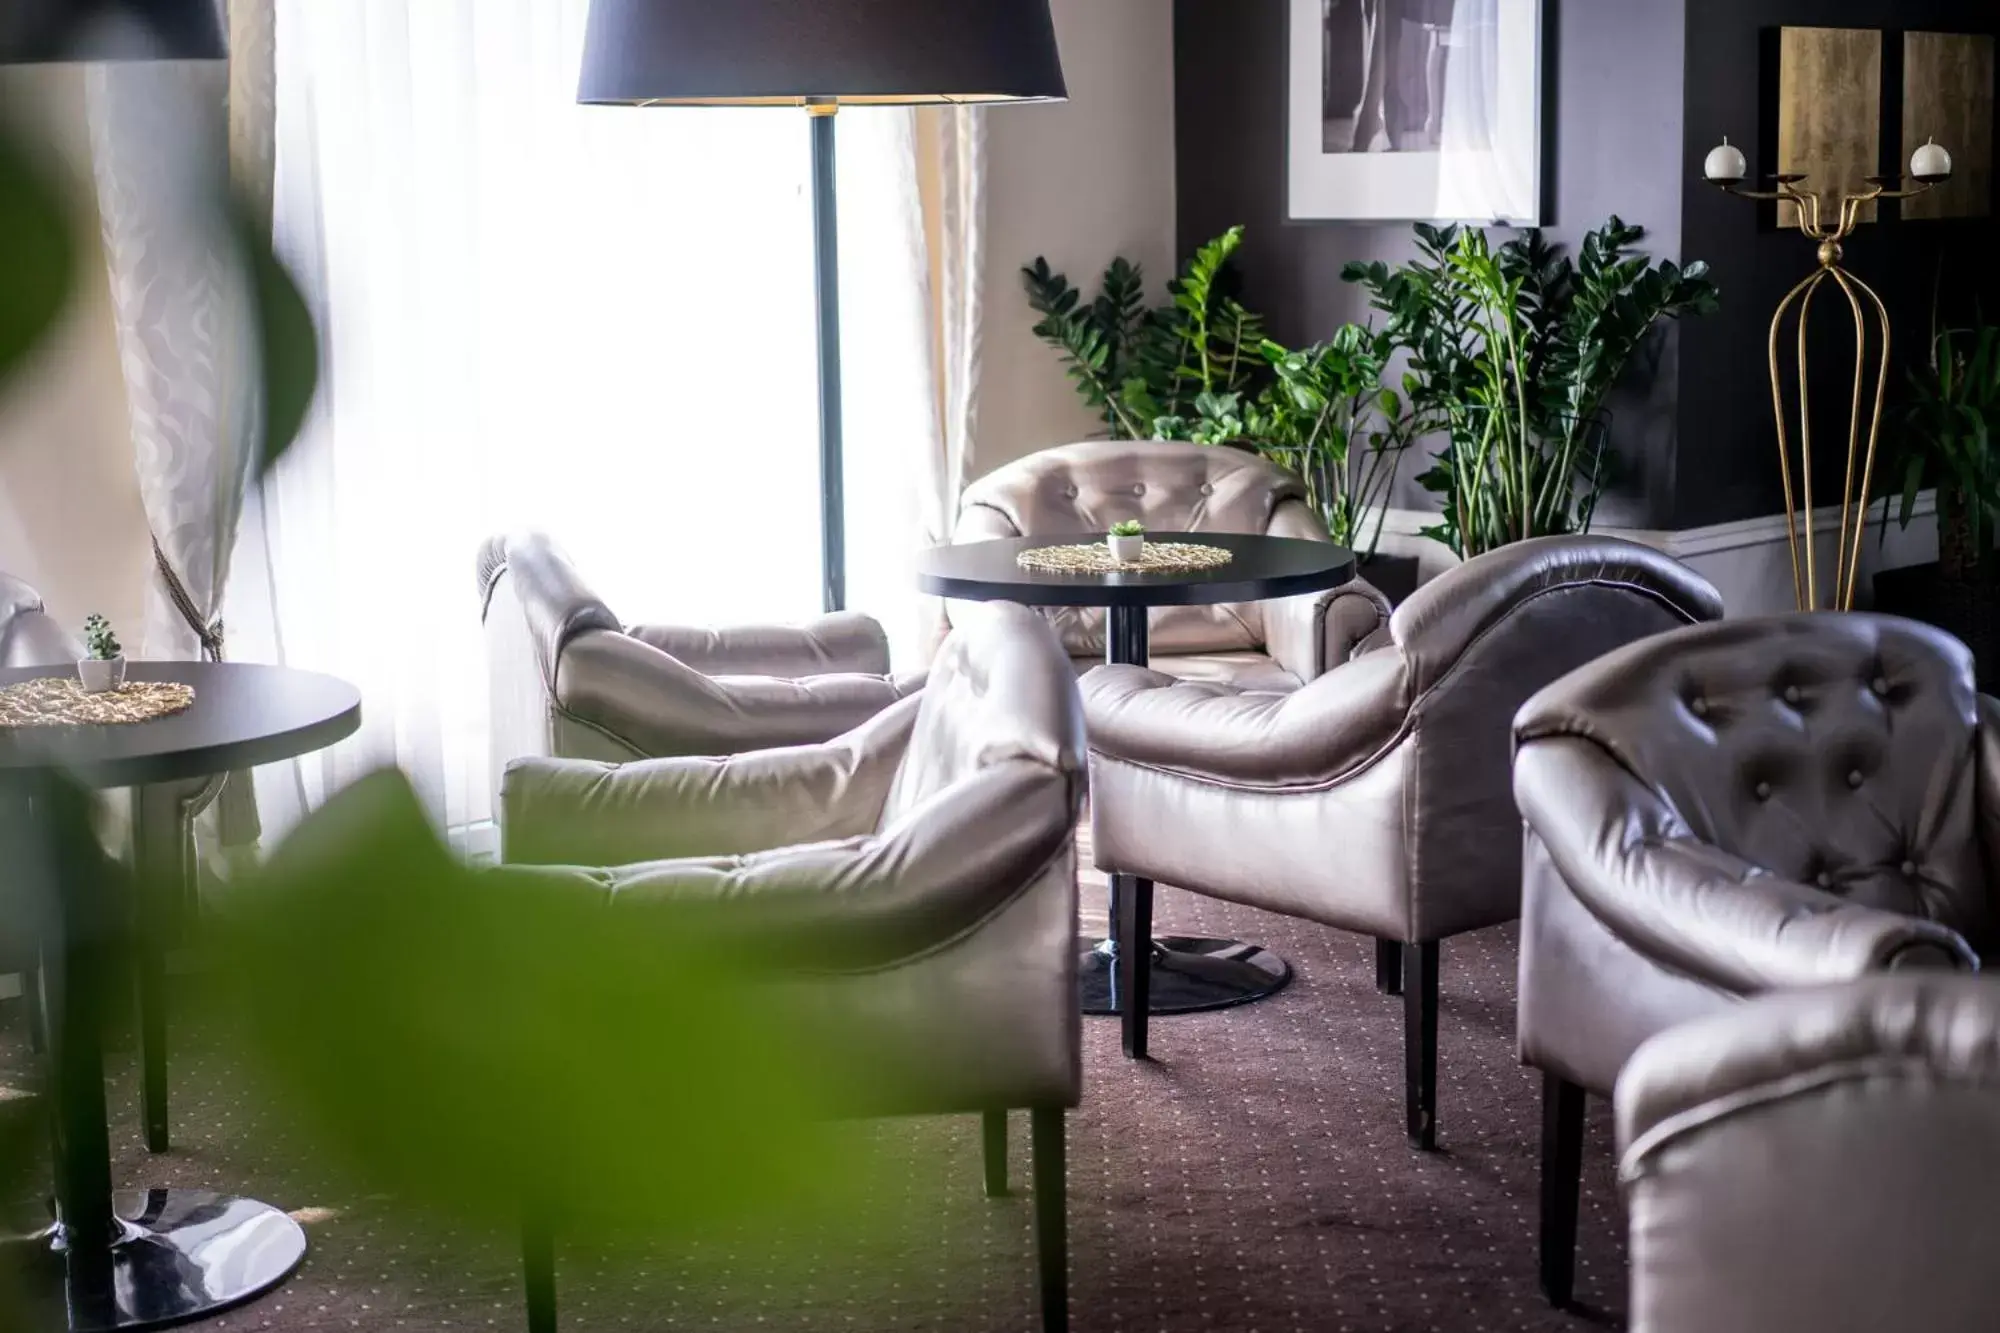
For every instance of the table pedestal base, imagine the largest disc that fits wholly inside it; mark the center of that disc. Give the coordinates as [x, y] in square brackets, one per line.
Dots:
[182, 1255]
[1188, 975]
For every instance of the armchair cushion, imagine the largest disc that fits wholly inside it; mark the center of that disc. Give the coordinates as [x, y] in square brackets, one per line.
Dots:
[1818, 1161]
[1227, 735]
[653, 704]
[1835, 750]
[568, 678]
[847, 643]
[916, 879]
[577, 812]
[1693, 907]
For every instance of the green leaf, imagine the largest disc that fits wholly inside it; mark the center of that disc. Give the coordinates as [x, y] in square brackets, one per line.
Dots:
[287, 342]
[39, 244]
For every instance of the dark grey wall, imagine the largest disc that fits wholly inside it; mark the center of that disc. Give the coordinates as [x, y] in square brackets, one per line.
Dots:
[1613, 113]
[1639, 90]
[1728, 444]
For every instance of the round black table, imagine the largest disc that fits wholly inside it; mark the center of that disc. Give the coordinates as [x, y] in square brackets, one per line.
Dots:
[148, 1258]
[1183, 974]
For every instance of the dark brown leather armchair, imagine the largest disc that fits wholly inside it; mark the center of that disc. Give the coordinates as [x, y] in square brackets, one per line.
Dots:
[1078, 491]
[1820, 1161]
[570, 679]
[1734, 809]
[916, 877]
[1373, 799]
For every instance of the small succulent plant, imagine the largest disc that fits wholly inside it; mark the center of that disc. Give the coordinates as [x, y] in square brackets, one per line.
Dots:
[99, 640]
[1131, 527]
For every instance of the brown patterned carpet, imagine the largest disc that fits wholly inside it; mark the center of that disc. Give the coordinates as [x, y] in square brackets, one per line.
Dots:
[1252, 1176]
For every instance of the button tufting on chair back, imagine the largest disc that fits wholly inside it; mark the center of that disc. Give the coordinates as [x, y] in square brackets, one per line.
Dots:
[1081, 490]
[1170, 486]
[1835, 750]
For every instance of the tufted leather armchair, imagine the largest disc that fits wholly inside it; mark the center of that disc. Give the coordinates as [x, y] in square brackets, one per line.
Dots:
[1820, 1161]
[1372, 799]
[917, 876]
[1735, 809]
[1079, 490]
[29, 636]
[570, 679]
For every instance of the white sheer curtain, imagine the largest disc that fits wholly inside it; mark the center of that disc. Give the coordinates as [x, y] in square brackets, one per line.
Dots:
[595, 321]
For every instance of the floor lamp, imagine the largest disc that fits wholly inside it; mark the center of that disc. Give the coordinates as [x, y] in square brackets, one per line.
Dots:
[821, 55]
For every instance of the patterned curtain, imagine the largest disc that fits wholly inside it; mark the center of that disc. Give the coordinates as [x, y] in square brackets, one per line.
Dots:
[951, 175]
[160, 134]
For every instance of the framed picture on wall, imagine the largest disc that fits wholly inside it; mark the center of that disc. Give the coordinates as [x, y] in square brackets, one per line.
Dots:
[1415, 110]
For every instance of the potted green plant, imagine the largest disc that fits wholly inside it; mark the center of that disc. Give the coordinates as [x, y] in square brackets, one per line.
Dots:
[1948, 436]
[1512, 353]
[103, 667]
[1200, 368]
[1127, 541]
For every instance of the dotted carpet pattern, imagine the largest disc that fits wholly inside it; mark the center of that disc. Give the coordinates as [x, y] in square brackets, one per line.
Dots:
[1252, 1176]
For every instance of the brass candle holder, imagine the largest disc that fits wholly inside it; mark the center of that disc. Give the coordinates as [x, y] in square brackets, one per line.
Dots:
[1930, 166]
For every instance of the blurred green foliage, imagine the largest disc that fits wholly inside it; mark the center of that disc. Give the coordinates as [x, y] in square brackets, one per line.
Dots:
[479, 1041]
[38, 242]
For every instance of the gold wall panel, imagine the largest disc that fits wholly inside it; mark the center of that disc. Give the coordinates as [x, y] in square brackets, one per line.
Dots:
[1829, 111]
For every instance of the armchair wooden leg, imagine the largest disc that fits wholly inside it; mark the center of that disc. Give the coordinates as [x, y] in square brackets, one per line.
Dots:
[1389, 966]
[1051, 1217]
[1134, 933]
[1562, 1183]
[1420, 1042]
[993, 1140]
[538, 1273]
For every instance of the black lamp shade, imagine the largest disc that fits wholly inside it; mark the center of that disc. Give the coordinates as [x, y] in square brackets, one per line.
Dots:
[786, 52]
[41, 31]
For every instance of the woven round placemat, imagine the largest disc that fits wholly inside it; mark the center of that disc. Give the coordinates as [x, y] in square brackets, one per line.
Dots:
[60, 701]
[1096, 558]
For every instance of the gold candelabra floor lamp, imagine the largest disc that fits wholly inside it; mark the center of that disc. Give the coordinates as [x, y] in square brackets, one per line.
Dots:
[1726, 167]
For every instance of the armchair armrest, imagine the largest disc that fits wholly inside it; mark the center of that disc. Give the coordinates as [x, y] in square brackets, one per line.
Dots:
[869, 899]
[1311, 635]
[572, 811]
[847, 643]
[1312, 736]
[1634, 864]
[654, 704]
[1924, 1025]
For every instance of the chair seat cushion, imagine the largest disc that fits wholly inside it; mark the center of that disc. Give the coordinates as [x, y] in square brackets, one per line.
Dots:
[1253, 673]
[1220, 733]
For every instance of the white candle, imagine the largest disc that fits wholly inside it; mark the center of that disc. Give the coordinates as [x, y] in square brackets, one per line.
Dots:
[1930, 162]
[1725, 163]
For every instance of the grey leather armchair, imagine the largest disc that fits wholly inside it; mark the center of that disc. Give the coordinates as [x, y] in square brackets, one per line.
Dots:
[29, 636]
[570, 679]
[1821, 1161]
[1734, 809]
[1373, 799]
[1079, 490]
[917, 877]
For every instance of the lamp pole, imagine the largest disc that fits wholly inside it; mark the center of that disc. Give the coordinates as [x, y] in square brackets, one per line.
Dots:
[826, 289]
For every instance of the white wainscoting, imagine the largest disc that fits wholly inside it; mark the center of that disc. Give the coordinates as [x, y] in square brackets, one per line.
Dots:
[1749, 561]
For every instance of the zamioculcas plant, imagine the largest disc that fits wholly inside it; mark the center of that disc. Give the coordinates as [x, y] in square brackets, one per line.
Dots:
[1513, 352]
[1136, 365]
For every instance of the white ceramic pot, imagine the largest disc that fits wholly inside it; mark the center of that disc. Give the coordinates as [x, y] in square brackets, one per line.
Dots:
[1126, 550]
[100, 674]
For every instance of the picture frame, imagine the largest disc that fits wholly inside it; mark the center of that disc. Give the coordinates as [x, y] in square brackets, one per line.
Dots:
[1415, 111]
